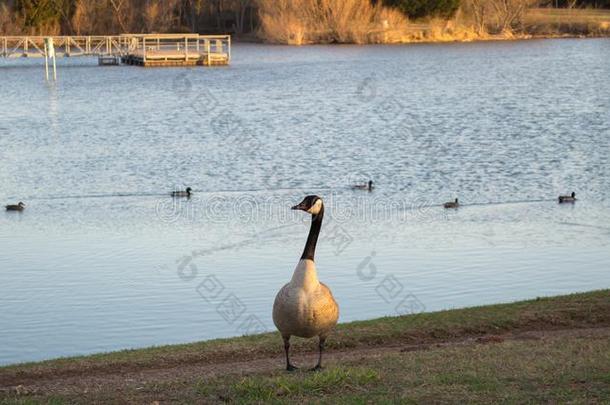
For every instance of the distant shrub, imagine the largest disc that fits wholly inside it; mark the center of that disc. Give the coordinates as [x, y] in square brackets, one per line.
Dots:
[425, 8]
[299, 22]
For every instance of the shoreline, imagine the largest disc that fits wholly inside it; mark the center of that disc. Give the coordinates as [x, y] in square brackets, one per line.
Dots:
[159, 373]
[490, 38]
[223, 339]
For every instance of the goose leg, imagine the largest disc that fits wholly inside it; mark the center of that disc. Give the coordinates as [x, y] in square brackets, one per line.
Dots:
[289, 367]
[321, 349]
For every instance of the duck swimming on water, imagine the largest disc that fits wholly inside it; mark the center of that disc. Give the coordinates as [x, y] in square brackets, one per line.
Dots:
[305, 307]
[367, 186]
[452, 204]
[185, 193]
[567, 198]
[15, 207]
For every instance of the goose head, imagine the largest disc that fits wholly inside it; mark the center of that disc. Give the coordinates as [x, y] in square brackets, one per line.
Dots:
[573, 194]
[456, 201]
[370, 184]
[188, 190]
[311, 204]
[21, 204]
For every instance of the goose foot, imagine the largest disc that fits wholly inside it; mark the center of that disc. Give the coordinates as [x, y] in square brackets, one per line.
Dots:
[318, 367]
[291, 368]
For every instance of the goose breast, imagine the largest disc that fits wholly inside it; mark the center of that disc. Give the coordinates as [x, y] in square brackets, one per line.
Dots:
[305, 313]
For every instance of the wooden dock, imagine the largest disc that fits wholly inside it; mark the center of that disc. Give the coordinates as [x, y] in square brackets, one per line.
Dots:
[149, 50]
[178, 50]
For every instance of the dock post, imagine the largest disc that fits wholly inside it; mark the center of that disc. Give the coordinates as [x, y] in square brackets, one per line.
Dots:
[51, 46]
[49, 52]
[46, 60]
[186, 48]
[229, 49]
[144, 49]
[209, 50]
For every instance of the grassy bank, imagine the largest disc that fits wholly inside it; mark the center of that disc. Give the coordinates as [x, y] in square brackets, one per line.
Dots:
[550, 349]
[588, 22]
[358, 22]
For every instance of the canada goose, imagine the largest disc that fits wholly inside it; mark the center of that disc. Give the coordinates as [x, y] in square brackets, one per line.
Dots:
[305, 307]
[186, 193]
[567, 198]
[17, 207]
[452, 204]
[367, 186]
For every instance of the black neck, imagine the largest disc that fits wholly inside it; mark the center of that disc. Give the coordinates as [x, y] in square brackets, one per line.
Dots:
[312, 238]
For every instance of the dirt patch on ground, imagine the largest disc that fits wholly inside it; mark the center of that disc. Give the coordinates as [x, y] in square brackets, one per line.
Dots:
[89, 381]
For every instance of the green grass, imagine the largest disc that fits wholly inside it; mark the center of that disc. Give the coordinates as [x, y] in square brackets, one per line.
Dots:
[262, 388]
[556, 370]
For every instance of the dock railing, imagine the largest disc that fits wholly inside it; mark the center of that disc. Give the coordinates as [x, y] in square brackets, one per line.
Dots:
[33, 46]
[149, 46]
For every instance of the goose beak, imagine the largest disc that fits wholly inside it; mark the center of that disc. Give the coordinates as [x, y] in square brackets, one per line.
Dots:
[299, 206]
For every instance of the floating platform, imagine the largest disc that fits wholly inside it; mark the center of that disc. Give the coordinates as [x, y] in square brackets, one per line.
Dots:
[171, 58]
[108, 60]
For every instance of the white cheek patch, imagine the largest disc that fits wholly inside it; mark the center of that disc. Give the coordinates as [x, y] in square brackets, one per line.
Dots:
[315, 208]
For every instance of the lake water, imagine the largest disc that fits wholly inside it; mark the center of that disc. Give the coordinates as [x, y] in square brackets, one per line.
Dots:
[103, 259]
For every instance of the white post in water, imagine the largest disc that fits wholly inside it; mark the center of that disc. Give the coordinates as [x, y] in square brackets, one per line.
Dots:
[46, 60]
[54, 65]
[50, 53]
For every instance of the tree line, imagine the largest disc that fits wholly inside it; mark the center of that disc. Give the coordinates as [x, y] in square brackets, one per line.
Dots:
[86, 17]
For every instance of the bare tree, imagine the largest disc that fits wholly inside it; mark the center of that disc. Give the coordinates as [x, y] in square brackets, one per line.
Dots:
[80, 17]
[240, 8]
[64, 9]
[509, 12]
[195, 8]
[7, 20]
[220, 7]
[479, 10]
[151, 15]
[120, 9]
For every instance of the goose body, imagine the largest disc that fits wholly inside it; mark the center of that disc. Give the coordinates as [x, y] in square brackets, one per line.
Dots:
[185, 193]
[305, 307]
[367, 186]
[452, 204]
[15, 207]
[567, 198]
